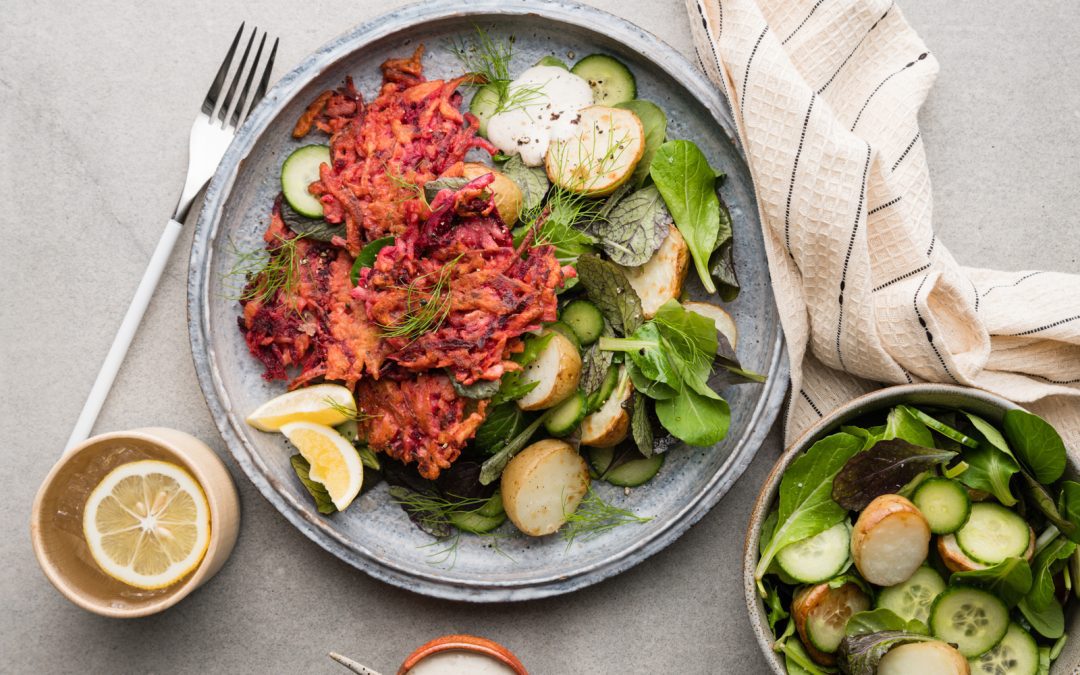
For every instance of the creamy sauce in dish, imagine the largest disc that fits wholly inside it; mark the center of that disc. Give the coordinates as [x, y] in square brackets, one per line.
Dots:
[460, 662]
[544, 101]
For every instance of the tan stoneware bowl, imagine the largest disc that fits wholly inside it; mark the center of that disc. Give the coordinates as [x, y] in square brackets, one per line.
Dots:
[463, 643]
[58, 544]
[984, 404]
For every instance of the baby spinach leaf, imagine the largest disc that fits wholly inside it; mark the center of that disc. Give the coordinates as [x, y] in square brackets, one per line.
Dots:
[1047, 563]
[641, 425]
[1009, 580]
[1069, 504]
[883, 469]
[434, 187]
[1038, 496]
[722, 267]
[634, 228]
[861, 654]
[688, 184]
[511, 387]
[323, 503]
[607, 287]
[868, 437]
[989, 432]
[878, 620]
[806, 507]
[654, 123]
[775, 605]
[533, 182]
[990, 470]
[493, 467]
[693, 418]
[1037, 445]
[1048, 621]
[902, 424]
[502, 422]
[310, 228]
[796, 659]
[367, 255]
[657, 391]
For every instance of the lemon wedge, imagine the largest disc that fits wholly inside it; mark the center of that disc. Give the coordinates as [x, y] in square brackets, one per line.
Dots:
[334, 461]
[147, 524]
[328, 404]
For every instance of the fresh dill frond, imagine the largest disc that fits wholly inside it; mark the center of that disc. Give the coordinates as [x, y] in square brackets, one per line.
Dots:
[433, 513]
[354, 414]
[488, 61]
[413, 190]
[594, 517]
[425, 310]
[261, 273]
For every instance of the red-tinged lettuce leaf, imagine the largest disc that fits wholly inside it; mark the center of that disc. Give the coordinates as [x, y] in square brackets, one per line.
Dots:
[881, 470]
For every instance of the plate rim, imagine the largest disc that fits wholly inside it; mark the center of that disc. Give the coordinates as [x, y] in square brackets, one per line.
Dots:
[435, 584]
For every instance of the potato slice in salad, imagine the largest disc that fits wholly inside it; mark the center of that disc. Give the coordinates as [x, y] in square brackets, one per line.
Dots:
[543, 485]
[661, 278]
[600, 155]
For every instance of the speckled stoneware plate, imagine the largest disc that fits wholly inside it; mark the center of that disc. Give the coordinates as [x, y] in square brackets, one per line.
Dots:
[984, 404]
[373, 534]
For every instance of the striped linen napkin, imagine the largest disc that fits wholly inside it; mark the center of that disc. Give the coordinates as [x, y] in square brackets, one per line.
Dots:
[825, 96]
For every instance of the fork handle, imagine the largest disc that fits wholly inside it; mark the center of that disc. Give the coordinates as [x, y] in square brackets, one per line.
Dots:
[107, 375]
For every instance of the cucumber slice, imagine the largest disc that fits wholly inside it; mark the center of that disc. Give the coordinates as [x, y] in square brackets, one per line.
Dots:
[818, 558]
[993, 533]
[611, 465]
[566, 416]
[585, 320]
[484, 104]
[493, 507]
[1016, 654]
[566, 331]
[913, 598]
[827, 620]
[971, 619]
[300, 170]
[474, 522]
[607, 388]
[611, 81]
[634, 472]
[945, 504]
[552, 61]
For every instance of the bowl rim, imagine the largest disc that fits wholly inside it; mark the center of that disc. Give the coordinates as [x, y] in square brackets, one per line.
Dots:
[433, 583]
[869, 402]
[467, 643]
[222, 509]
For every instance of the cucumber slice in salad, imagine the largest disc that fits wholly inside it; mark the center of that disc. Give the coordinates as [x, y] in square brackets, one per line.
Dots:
[993, 533]
[945, 504]
[1016, 654]
[566, 331]
[585, 320]
[611, 81]
[972, 619]
[913, 598]
[818, 558]
[300, 170]
[474, 521]
[607, 387]
[567, 415]
[484, 104]
[630, 473]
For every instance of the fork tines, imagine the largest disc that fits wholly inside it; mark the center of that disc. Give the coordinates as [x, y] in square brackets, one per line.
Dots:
[231, 113]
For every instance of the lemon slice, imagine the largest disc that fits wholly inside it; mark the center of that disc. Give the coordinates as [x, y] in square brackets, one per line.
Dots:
[334, 461]
[147, 524]
[329, 404]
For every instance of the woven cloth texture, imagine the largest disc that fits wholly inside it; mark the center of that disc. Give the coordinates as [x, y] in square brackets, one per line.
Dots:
[825, 97]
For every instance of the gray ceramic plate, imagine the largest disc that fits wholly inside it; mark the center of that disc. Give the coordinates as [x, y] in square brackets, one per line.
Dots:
[374, 534]
[982, 403]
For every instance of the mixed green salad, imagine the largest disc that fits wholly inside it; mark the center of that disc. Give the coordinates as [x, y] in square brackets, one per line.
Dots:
[926, 541]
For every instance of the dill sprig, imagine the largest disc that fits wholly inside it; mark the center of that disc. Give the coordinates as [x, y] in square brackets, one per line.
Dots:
[263, 272]
[594, 517]
[413, 190]
[432, 512]
[488, 61]
[351, 413]
[425, 310]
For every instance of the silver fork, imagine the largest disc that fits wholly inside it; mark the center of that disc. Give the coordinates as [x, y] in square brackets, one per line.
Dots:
[210, 136]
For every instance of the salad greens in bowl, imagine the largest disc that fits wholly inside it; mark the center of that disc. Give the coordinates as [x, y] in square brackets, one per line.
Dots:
[919, 529]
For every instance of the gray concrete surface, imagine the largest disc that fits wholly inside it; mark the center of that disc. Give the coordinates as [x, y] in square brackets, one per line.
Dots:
[95, 103]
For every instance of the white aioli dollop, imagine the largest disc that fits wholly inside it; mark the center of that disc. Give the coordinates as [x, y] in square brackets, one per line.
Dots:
[544, 101]
[460, 662]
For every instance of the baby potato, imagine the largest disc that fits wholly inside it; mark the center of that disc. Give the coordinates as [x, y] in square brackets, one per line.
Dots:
[507, 194]
[935, 657]
[556, 371]
[543, 485]
[608, 426]
[890, 540]
[661, 278]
